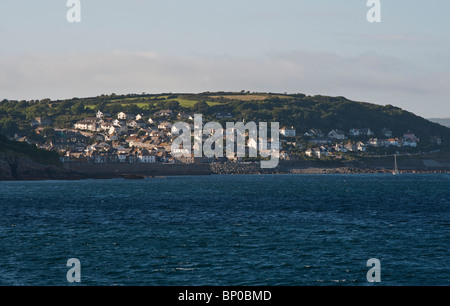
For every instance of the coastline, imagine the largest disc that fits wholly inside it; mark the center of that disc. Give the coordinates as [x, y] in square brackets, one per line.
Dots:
[24, 170]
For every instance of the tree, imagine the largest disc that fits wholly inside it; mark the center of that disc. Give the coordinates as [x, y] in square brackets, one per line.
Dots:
[78, 108]
[201, 107]
[173, 105]
[8, 127]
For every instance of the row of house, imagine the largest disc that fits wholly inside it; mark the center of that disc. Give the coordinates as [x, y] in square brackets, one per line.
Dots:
[132, 138]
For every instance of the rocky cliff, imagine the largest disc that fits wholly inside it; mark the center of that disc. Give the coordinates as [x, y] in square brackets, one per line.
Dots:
[18, 167]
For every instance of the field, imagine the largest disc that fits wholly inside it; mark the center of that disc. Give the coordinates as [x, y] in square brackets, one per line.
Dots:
[249, 97]
[129, 101]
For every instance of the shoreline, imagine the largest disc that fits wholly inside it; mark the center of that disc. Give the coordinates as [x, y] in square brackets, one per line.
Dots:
[24, 170]
[76, 176]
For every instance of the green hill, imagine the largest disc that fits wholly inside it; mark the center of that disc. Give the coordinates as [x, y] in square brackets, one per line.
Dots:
[298, 110]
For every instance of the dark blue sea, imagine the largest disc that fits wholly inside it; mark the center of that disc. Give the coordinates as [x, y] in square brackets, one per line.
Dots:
[228, 230]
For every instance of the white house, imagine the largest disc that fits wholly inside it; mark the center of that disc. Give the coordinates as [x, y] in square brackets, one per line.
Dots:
[123, 116]
[117, 130]
[361, 146]
[288, 132]
[314, 133]
[122, 157]
[354, 132]
[152, 121]
[87, 125]
[315, 152]
[165, 126]
[100, 115]
[188, 116]
[336, 134]
[340, 148]
[105, 126]
[164, 113]
[146, 157]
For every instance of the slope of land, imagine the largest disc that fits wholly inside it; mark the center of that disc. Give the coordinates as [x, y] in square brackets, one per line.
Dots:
[50, 124]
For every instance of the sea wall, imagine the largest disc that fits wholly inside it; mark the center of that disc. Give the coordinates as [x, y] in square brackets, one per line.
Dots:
[121, 170]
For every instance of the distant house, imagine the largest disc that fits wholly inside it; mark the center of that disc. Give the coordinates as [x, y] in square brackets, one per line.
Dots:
[366, 132]
[188, 116]
[132, 124]
[87, 125]
[41, 121]
[122, 157]
[165, 126]
[375, 142]
[354, 132]
[139, 117]
[314, 133]
[117, 130]
[409, 143]
[101, 115]
[155, 133]
[124, 116]
[152, 121]
[288, 132]
[145, 157]
[315, 152]
[105, 126]
[111, 137]
[164, 113]
[117, 122]
[361, 146]
[392, 142]
[336, 134]
[340, 148]
[386, 132]
[351, 147]
[359, 132]
[410, 136]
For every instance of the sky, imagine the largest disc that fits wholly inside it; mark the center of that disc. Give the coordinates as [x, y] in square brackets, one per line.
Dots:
[316, 47]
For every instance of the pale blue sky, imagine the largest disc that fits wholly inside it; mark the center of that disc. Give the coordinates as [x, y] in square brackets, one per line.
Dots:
[310, 46]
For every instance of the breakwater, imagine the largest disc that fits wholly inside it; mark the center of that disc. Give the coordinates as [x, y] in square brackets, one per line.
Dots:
[137, 170]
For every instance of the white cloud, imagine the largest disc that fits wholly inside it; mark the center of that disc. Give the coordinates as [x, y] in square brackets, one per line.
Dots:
[367, 77]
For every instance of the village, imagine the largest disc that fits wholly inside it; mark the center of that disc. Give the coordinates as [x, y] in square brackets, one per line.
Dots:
[130, 138]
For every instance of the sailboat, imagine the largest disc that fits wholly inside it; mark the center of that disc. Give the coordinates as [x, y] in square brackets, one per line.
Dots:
[395, 172]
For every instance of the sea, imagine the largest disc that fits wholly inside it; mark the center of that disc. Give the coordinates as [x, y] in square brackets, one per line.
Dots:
[225, 230]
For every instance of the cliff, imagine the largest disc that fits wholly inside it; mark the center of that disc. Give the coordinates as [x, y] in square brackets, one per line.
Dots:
[17, 167]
